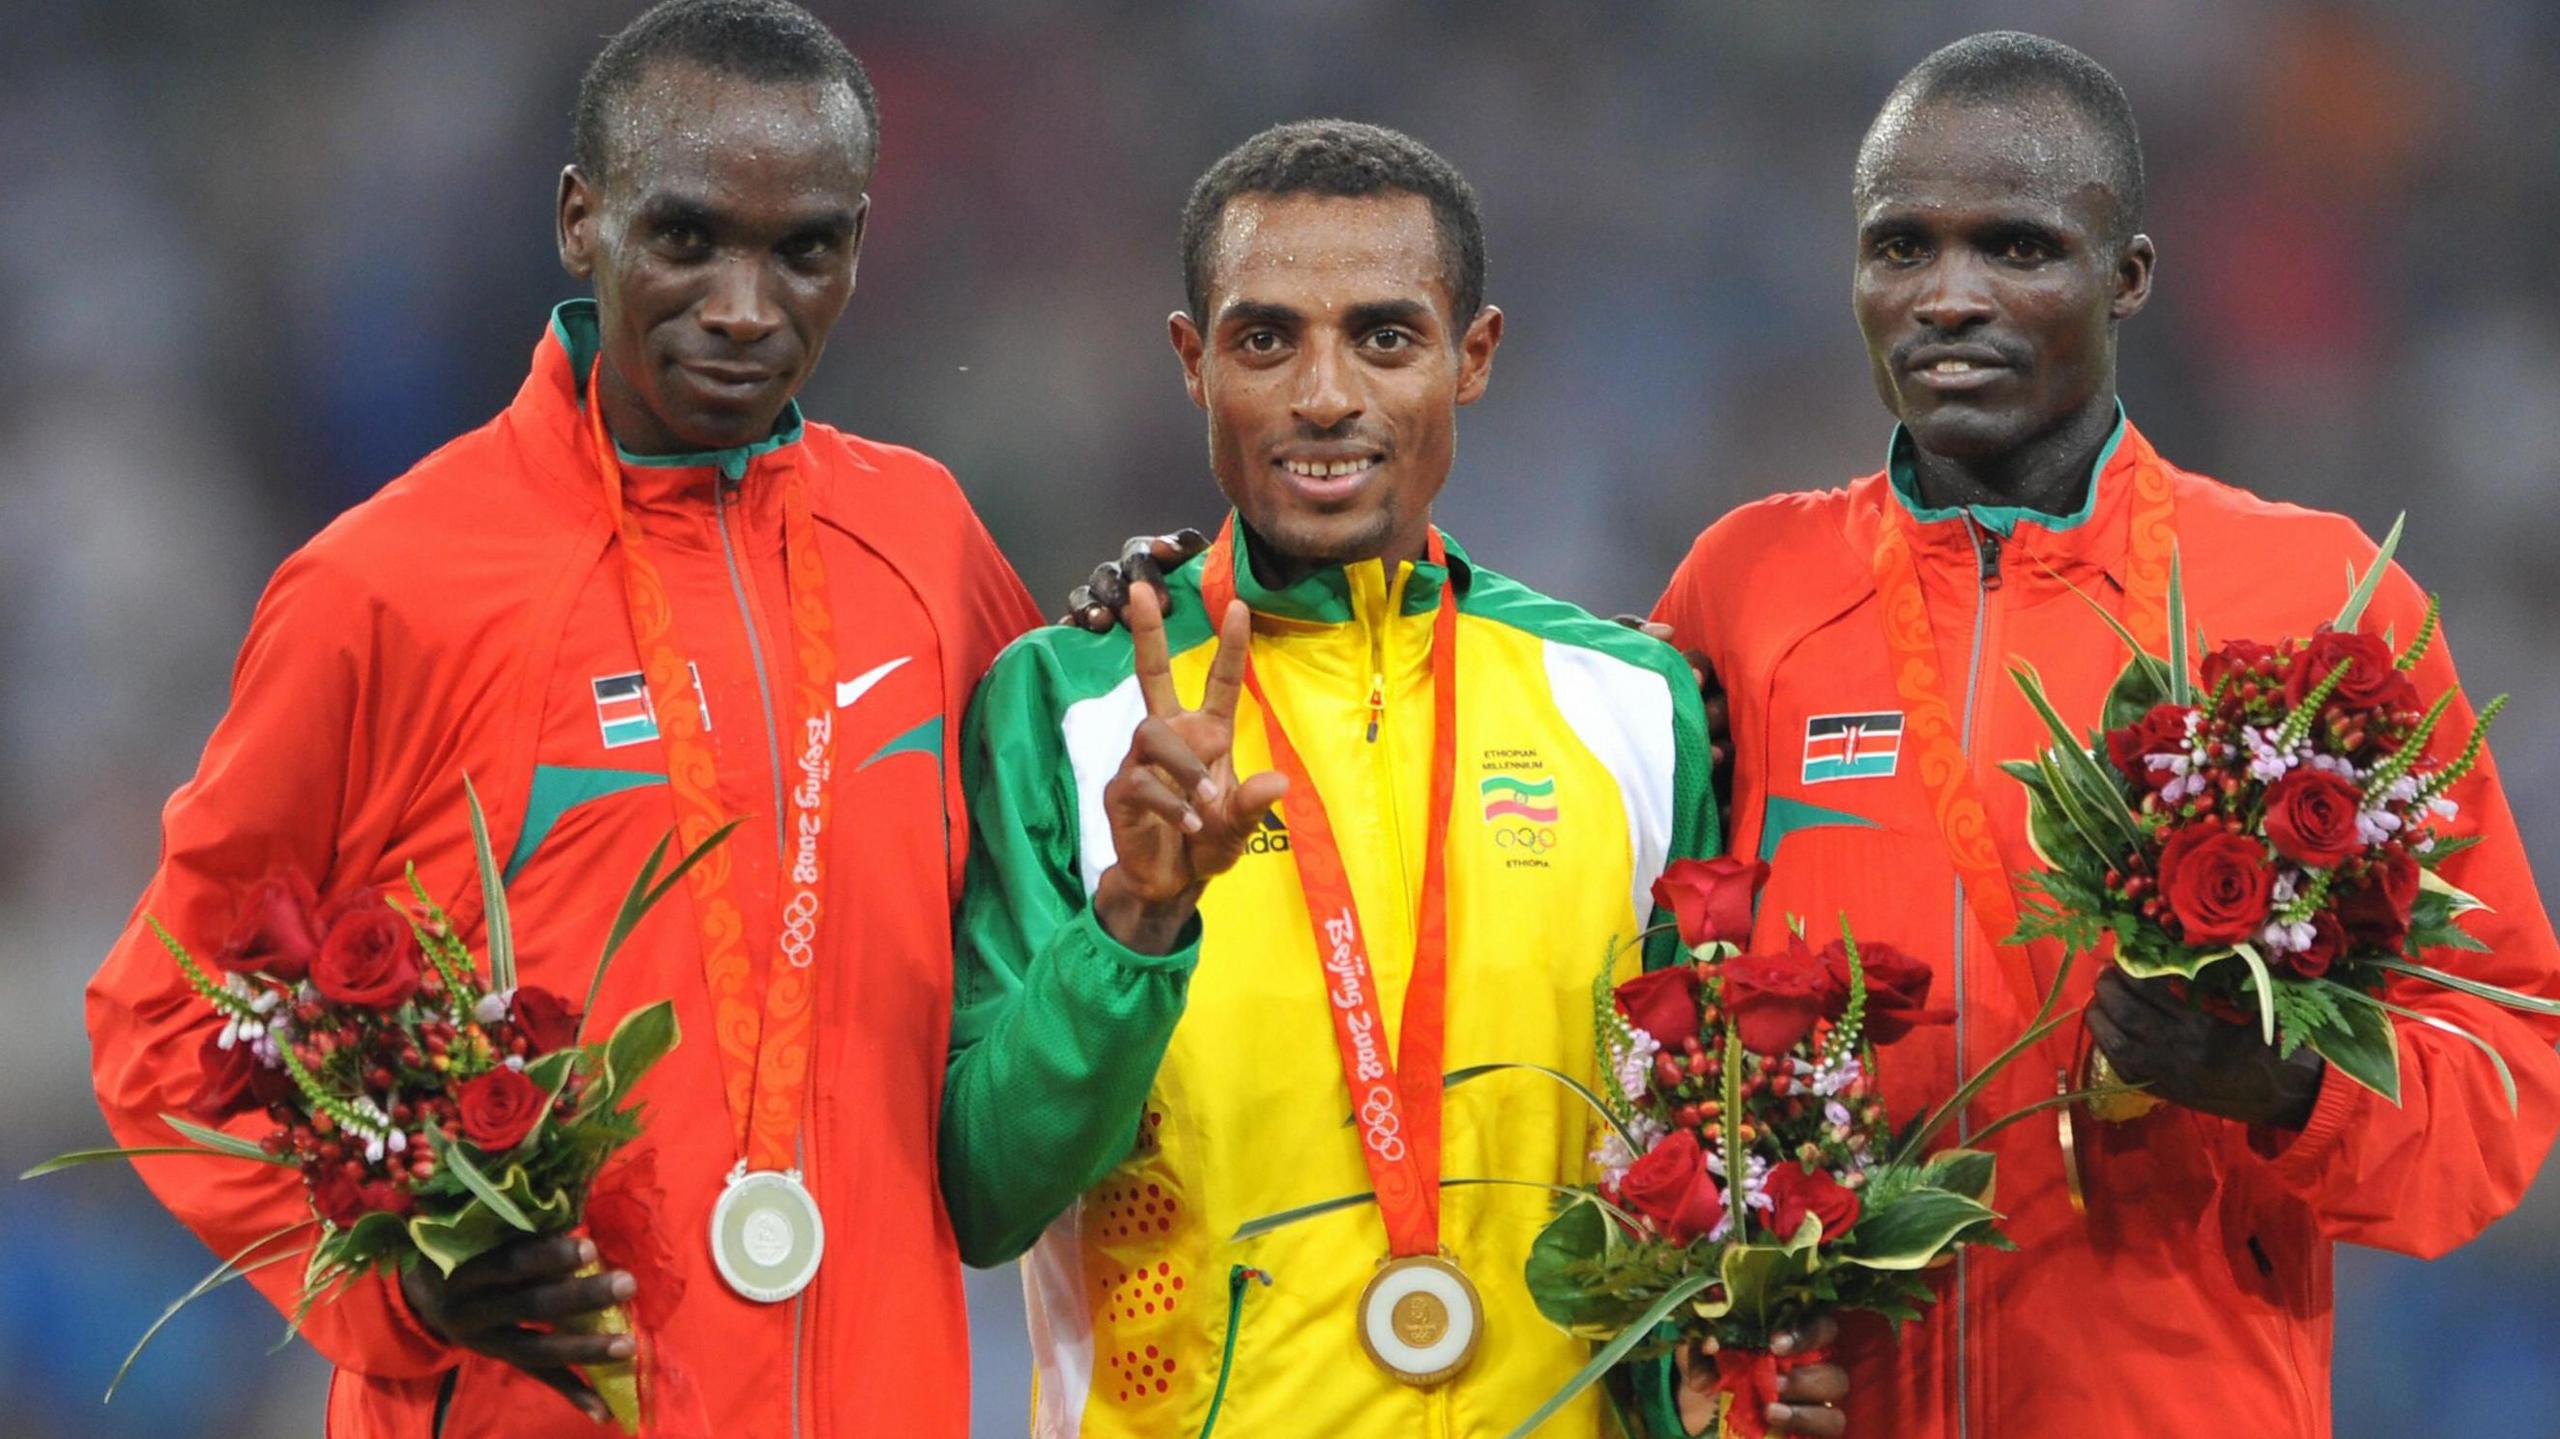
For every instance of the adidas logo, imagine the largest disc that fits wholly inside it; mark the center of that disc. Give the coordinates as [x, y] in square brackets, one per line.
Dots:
[1271, 838]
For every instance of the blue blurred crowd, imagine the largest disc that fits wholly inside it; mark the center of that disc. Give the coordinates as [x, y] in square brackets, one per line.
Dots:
[269, 255]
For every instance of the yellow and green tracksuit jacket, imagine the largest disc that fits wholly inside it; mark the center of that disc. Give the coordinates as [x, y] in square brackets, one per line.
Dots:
[1120, 1115]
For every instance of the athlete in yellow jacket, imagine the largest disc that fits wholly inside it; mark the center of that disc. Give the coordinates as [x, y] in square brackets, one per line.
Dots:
[1145, 1056]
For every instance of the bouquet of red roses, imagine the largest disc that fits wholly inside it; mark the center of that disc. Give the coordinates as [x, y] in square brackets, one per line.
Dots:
[2265, 827]
[433, 1114]
[1750, 1178]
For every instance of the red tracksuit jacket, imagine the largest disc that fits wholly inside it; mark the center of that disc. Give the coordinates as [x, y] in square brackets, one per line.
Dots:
[470, 619]
[2194, 1297]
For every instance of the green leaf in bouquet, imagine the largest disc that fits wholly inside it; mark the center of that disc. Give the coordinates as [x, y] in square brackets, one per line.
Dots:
[2178, 959]
[642, 1039]
[495, 925]
[450, 1241]
[2262, 983]
[1731, 1098]
[2506, 1076]
[1913, 1230]
[2478, 989]
[1579, 1234]
[2352, 612]
[2135, 693]
[2181, 665]
[647, 888]
[1607, 1356]
[1456, 1077]
[78, 1157]
[2431, 882]
[1925, 1128]
[2082, 829]
[451, 1159]
[235, 1267]
[2051, 1101]
[230, 1146]
[1969, 1172]
[1753, 1274]
[2363, 1046]
[2144, 661]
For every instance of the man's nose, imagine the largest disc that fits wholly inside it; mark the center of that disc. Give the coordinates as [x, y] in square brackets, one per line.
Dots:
[1956, 295]
[740, 306]
[1327, 393]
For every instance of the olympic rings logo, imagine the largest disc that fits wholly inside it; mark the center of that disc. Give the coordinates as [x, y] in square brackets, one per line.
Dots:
[1535, 839]
[1379, 1125]
[800, 928]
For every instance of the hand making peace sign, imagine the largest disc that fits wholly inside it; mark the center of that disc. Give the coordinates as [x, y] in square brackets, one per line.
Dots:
[1179, 816]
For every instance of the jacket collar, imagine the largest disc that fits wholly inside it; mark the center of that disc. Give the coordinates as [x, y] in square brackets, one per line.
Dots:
[1345, 594]
[2039, 551]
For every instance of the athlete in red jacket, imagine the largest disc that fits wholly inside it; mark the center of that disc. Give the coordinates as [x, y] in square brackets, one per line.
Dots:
[1998, 199]
[486, 615]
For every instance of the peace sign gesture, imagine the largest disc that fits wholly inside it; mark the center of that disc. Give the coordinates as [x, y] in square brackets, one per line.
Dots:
[1179, 816]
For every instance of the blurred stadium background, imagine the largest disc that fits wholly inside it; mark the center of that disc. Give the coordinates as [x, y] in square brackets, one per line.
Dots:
[267, 255]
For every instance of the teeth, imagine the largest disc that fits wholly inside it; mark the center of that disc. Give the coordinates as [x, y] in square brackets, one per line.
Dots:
[1324, 470]
[1952, 367]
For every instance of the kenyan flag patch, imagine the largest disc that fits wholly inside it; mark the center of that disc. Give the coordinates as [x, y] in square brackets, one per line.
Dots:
[1854, 746]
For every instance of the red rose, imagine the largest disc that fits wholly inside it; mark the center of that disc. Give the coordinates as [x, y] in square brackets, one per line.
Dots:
[2328, 944]
[2163, 731]
[1897, 989]
[335, 1197]
[2217, 883]
[1663, 1004]
[2311, 817]
[1711, 897]
[1670, 1186]
[498, 1108]
[370, 959]
[546, 1021]
[2239, 660]
[1795, 1192]
[272, 1086]
[2372, 681]
[229, 1079]
[277, 932]
[1775, 998]
[2376, 912]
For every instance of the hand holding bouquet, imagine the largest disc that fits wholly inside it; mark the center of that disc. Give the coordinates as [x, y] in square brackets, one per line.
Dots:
[433, 1115]
[2265, 827]
[1750, 1177]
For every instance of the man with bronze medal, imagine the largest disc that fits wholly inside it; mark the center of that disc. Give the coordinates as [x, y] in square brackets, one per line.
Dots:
[1348, 814]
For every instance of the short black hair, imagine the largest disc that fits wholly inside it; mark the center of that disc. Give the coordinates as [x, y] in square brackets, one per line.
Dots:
[2008, 66]
[1348, 160]
[773, 41]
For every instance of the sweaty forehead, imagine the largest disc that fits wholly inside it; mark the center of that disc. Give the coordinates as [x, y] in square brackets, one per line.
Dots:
[2032, 151]
[688, 127]
[1327, 250]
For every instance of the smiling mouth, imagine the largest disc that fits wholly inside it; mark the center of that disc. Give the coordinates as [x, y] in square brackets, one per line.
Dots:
[1330, 469]
[1949, 372]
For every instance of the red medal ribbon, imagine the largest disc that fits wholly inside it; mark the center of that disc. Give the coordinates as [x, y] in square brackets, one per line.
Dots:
[764, 1052]
[1395, 1099]
[1964, 820]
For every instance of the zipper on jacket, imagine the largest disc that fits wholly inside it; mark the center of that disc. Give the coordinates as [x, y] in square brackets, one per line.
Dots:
[1238, 1276]
[1377, 704]
[1986, 554]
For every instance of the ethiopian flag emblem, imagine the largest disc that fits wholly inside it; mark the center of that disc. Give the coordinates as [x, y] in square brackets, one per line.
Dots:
[1520, 796]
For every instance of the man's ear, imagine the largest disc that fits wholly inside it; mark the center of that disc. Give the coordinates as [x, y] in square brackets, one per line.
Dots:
[1475, 354]
[1191, 345]
[2133, 278]
[574, 227]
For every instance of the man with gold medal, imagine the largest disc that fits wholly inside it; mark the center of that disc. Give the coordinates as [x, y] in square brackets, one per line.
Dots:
[1353, 812]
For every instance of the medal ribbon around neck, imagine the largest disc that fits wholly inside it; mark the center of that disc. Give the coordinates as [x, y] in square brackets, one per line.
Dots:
[1395, 1099]
[1964, 820]
[764, 1052]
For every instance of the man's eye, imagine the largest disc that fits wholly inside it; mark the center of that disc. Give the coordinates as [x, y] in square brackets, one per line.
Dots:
[682, 237]
[809, 247]
[1390, 340]
[2024, 250]
[1261, 342]
[1898, 250]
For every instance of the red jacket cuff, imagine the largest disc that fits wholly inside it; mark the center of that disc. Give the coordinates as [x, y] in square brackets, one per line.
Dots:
[2298, 1163]
[421, 1351]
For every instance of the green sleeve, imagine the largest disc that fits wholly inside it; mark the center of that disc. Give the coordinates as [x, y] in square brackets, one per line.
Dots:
[1056, 1028]
[1696, 830]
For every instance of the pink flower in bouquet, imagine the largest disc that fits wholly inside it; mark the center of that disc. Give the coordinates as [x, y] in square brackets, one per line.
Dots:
[2216, 882]
[278, 932]
[1711, 897]
[369, 960]
[2163, 731]
[1664, 1004]
[2376, 912]
[2372, 682]
[498, 1108]
[1774, 999]
[1795, 1191]
[1670, 1185]
[2311, 817]
[1897, 989]
[546, 1021]
[230, 1080]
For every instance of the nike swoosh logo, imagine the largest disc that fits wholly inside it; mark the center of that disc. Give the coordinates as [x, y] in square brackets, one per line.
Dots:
[847, 691]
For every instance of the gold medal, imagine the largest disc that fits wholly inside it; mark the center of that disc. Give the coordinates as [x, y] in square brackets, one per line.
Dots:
[766, 1234]
[1420, 1319]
